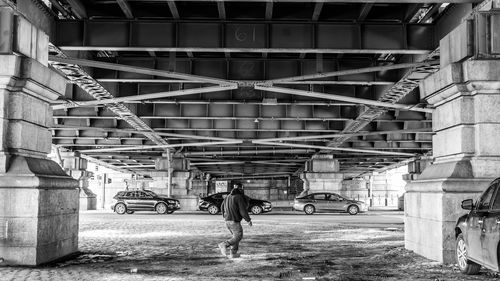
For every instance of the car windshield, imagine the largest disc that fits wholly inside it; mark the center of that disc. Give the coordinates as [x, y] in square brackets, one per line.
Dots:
[151, 193]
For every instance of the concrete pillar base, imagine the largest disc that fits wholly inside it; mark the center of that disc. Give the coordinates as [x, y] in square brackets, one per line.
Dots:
[432, 207]
[322, 182]
[39, 214]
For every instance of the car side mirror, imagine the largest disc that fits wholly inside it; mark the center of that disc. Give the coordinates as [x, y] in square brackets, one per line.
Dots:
[468, 204]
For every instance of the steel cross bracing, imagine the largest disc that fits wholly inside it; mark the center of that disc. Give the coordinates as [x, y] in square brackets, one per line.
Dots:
[75, 74]
[406, 85]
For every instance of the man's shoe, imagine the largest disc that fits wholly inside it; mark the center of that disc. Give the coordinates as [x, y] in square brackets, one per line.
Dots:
[234, 256]
[223, 248]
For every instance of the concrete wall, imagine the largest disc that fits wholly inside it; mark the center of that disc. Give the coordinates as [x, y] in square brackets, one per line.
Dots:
[267, 189]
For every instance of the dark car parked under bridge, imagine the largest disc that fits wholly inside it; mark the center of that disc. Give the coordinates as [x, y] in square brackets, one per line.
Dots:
[478, 232]
[143, 200]
[212, 204]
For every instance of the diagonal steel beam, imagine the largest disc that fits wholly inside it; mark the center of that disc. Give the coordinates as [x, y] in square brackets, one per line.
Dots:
[406, 85]
[251, 82]
[368, 151]
[78, 8]
[71, 128]
[173, 9]
[341, 98]
[424, 130]
[353, 71]
[136, 69]
[147, 96]
[167, 146]
[78, 76]
[106, 164]
[251, 152]
[317, 11]
[124, 5]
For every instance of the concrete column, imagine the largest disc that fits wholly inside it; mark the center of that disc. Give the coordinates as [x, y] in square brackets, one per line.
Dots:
[177, 171]
[466, 154]
[38, 200]
[76, 167]
[322, 174]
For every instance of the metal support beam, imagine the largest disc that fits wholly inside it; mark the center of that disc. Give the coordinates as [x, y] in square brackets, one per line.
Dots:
[77, 75]
[248, 82]
[342, 98]
[143, 147]
[173, 9]
[266, 37]
[78, 8]
[365, 10]
[113, 130]
[403, 87]
[74, 104]
[125, 8]
[349, 135]
[221, 9]
[105, 164]
[352, 71]
[317, 11]
[136, 69]
[269, 10]
[251, 152]
[368, 151]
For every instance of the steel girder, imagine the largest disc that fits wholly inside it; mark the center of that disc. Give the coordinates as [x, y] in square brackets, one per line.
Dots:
[78, 76]
[403, 87]
[244, 36]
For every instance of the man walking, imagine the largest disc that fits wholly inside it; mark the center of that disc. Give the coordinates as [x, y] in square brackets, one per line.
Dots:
[234, 209]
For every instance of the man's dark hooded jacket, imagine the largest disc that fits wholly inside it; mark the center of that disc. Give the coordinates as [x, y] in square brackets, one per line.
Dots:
[235, 206]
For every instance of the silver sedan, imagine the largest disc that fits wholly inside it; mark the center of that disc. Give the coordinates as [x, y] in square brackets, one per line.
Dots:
[329, 202]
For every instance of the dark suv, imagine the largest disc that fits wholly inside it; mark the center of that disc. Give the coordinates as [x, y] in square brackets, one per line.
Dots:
[478, 232]
[143, 200]
[213, 203]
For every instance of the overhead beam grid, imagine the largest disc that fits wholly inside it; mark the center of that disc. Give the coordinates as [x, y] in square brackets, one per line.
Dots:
[245, 88]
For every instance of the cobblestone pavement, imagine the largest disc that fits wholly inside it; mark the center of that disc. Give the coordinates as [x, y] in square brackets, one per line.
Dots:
[283, 246]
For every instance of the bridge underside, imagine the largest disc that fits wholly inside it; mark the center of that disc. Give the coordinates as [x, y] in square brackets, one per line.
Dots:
[246, 88]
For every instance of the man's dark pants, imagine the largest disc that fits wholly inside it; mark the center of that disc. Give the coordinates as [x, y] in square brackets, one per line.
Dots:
[237, 232]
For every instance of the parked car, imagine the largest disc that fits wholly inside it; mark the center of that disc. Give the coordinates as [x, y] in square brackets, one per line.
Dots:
[143, 200]
[478, 232]
[213, 203]
[330, 202]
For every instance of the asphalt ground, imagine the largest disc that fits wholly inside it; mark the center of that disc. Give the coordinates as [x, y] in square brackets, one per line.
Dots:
[282, 245]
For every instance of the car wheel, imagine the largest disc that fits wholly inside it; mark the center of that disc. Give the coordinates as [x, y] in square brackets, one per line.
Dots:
[353, 210]
[161, 208]
[120, 208]
[309, 209]
[213, 210]
[256, 210]
[464, 264]
[130, 212]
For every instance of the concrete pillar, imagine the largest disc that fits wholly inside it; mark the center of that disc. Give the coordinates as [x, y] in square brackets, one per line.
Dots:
[466, 123]
[174, 172]
[322, 174]
[76, 167]
[38, 200]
